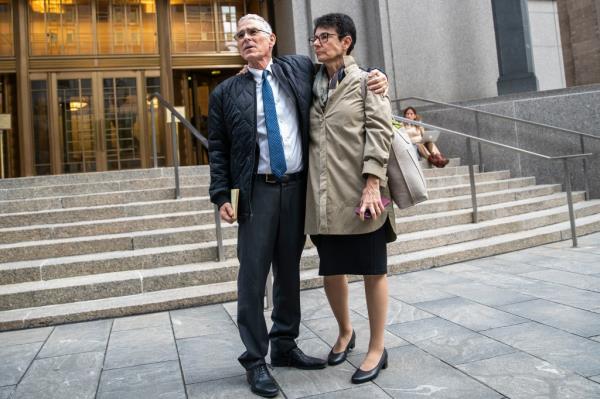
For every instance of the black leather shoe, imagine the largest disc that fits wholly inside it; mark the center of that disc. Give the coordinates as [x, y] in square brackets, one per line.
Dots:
[361, 376]
[296, 358]
[261, 382]
[337, 358]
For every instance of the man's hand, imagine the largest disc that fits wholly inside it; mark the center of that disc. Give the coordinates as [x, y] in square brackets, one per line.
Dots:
[377, 82]
[226, 212]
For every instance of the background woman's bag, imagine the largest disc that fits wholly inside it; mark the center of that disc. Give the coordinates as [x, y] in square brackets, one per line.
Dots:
[406, 180]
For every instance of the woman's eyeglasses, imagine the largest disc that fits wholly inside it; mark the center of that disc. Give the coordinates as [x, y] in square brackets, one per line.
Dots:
[322, 38]
[252, 32]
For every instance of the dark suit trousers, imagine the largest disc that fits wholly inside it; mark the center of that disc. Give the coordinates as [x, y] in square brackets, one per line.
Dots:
[273, 234]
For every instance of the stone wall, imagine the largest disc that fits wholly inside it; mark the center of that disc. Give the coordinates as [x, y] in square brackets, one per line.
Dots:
[580, 35]
[440, 49]
[575, 108]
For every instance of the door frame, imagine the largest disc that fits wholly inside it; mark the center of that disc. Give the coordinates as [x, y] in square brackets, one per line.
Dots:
[99, 124]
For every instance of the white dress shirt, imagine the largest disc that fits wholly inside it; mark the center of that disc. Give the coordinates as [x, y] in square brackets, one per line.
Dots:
[287, 116]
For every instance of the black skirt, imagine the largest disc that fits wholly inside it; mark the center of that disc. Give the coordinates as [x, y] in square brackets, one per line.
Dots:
[361, 254]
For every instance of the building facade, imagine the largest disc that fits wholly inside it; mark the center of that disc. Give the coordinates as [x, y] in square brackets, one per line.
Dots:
[448, 50]
[75, 75]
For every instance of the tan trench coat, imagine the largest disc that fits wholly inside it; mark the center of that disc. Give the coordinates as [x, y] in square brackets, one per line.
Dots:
[349, 139]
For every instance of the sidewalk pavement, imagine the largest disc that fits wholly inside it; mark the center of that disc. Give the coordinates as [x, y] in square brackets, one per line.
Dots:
[519, 325]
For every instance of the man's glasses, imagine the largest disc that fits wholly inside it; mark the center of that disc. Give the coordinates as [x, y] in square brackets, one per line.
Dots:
[322, 38]
[252, 32]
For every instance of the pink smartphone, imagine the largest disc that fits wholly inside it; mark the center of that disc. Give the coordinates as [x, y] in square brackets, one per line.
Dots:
[384, 201]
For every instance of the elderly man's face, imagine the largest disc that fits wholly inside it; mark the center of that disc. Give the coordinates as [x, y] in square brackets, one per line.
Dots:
[255, 46]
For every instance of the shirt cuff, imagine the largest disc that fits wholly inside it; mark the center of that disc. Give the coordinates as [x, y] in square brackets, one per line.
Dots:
[220, 199]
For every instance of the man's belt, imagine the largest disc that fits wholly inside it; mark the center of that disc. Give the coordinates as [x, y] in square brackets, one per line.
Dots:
[272, 179]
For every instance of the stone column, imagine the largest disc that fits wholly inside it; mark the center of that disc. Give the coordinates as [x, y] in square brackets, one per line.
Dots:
[163, 21]
[25, 124]
[513, 44]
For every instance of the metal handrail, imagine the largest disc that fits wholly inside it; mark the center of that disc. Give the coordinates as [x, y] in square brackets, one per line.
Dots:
[161, 100]
[468, 137]
[478, 112]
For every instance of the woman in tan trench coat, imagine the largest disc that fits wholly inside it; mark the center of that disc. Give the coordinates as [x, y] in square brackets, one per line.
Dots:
[350, 139]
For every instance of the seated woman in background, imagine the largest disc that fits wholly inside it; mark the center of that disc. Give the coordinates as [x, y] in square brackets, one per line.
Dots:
[427, 150]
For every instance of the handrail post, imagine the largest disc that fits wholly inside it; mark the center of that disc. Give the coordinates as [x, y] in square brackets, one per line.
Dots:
[169, 107]
[481, 167]
[586, 179]
[153, 123]
[472, 181]
[570, 202]
[219, 234]
[175, 155]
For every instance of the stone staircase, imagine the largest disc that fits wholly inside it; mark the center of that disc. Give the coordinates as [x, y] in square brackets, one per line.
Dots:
[78, 247]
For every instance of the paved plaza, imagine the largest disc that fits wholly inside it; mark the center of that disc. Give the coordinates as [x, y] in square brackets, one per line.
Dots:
[519, 325]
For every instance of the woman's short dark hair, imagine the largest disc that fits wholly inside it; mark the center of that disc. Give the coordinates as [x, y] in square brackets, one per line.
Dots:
[343, 25]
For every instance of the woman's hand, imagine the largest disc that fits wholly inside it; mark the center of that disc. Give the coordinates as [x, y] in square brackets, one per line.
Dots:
[371, 199]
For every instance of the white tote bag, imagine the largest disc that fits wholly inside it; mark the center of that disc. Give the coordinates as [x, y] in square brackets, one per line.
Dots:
[406, 180]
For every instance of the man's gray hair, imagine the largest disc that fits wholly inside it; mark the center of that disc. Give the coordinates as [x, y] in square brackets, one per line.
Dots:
[262, 24]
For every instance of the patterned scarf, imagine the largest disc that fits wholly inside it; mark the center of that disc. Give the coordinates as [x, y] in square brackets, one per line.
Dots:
[323, 87]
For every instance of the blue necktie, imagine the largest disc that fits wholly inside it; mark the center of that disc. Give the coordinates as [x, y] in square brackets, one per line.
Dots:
[276, 154]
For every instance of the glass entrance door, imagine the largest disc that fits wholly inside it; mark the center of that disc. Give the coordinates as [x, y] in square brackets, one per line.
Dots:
[122, 130]
[98, 123]
[78, 134]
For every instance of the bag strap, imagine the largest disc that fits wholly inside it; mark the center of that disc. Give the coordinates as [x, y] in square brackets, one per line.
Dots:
[363, 91]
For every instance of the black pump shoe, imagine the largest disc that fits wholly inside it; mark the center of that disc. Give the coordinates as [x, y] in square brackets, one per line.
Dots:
[361, 376]
[337, 358]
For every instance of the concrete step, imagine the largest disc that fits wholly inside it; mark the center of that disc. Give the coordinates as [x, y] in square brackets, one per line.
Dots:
[70, 190]
[115, 284]
[149, 222]
[33, 182]
[433, 221]
[178, 252]
[65, 266]
[103, 212]
[175, 298]
[452, 162]
[55, 192]
[540, 196]
[110, 226]
[481, 187]
[451, 181]
[97, 177]
[120, 192]
[122, 306]
[98, 199]
[465, 201]
[490, 224]
[443, 236]
[448, 171]
[110, 262]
